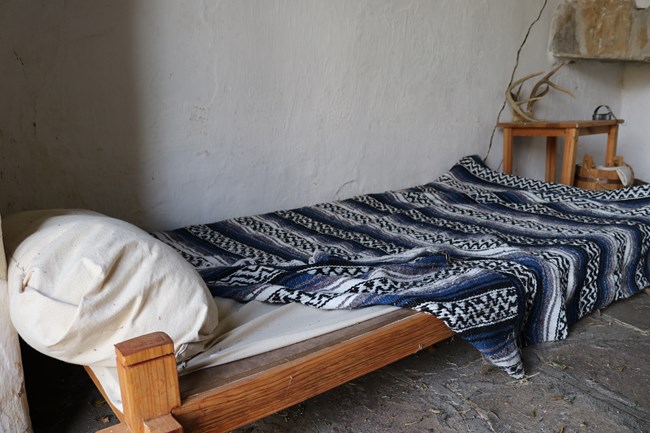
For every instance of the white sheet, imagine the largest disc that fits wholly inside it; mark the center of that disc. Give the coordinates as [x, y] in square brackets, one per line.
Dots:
[253, 328]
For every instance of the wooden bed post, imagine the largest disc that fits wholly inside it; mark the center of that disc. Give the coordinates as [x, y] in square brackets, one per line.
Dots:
[149, 383]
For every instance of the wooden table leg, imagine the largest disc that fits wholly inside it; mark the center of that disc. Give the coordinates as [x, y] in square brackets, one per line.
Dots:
[569, 158]
[611, 145]
[507, 150]
[551, 158]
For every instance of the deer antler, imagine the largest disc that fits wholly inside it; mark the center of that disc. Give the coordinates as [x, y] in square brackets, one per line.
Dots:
[513, 97]
[540, 89]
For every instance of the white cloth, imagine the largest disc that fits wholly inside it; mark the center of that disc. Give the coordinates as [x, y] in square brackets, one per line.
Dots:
[624, 172]
[253, 328]
[79, 282]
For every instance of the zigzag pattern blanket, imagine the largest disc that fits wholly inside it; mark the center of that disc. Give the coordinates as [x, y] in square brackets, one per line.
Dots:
[502, 260]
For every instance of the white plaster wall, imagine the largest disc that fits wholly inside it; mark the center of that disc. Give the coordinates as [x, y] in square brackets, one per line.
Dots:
[169, 113]
[174, 113]
[14, 412]
[634, 136]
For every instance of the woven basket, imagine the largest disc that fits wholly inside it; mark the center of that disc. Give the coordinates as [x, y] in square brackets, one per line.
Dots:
[590, 177]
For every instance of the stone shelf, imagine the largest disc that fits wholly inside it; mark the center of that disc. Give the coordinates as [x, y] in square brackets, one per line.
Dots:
[607, 30]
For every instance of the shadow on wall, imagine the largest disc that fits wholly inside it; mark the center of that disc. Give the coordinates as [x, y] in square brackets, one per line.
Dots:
[68, 121]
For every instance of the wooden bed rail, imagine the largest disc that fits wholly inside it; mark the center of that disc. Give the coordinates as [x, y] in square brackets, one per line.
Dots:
[223, 398]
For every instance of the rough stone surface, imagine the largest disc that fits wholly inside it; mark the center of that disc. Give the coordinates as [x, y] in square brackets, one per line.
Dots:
[601, 29]
[595, 381]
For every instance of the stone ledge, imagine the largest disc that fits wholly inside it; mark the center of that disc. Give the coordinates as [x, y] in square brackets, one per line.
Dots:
[608, 30]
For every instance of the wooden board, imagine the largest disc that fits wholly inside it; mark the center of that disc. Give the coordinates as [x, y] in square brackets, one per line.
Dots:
[222, 398]
[244, 398]
[560, 124]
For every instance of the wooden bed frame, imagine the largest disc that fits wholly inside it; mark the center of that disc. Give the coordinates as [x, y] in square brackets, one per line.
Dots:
[223, 398]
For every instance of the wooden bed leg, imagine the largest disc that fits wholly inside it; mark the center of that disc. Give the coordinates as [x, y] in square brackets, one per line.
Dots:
[149, 383]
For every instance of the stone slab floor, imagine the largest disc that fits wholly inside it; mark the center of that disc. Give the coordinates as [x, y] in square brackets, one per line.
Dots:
[598, 380]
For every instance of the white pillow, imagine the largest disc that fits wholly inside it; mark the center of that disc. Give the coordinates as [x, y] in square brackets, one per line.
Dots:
[80, 282]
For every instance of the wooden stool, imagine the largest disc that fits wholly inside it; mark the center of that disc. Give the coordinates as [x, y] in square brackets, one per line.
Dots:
[570, 130]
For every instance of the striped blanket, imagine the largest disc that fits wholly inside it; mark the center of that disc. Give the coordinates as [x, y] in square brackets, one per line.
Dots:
[503, 261]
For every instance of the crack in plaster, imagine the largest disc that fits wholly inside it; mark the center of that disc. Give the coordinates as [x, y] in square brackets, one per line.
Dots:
[512, 76]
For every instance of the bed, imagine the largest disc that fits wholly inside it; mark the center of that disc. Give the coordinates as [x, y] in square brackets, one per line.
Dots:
[498, 260]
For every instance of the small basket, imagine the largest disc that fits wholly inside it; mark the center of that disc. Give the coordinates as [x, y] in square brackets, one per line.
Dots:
[590, 177]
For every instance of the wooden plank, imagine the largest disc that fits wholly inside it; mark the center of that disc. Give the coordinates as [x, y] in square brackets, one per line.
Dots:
[593, 130]
[538, 132]
[117, 428]
[254, 396]
[162, 424]
[148, 379]
[560, 124]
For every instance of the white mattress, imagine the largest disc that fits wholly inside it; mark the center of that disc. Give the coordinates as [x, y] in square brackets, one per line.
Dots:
[253, 328]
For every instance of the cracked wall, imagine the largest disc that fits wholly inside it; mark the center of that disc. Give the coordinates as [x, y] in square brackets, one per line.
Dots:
[187, 113]
[192, 112]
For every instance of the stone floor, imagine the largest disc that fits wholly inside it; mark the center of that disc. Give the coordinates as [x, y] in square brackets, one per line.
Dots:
[598, 380]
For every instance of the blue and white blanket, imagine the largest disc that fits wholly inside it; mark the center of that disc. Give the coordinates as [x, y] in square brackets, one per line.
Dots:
[502, 260]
